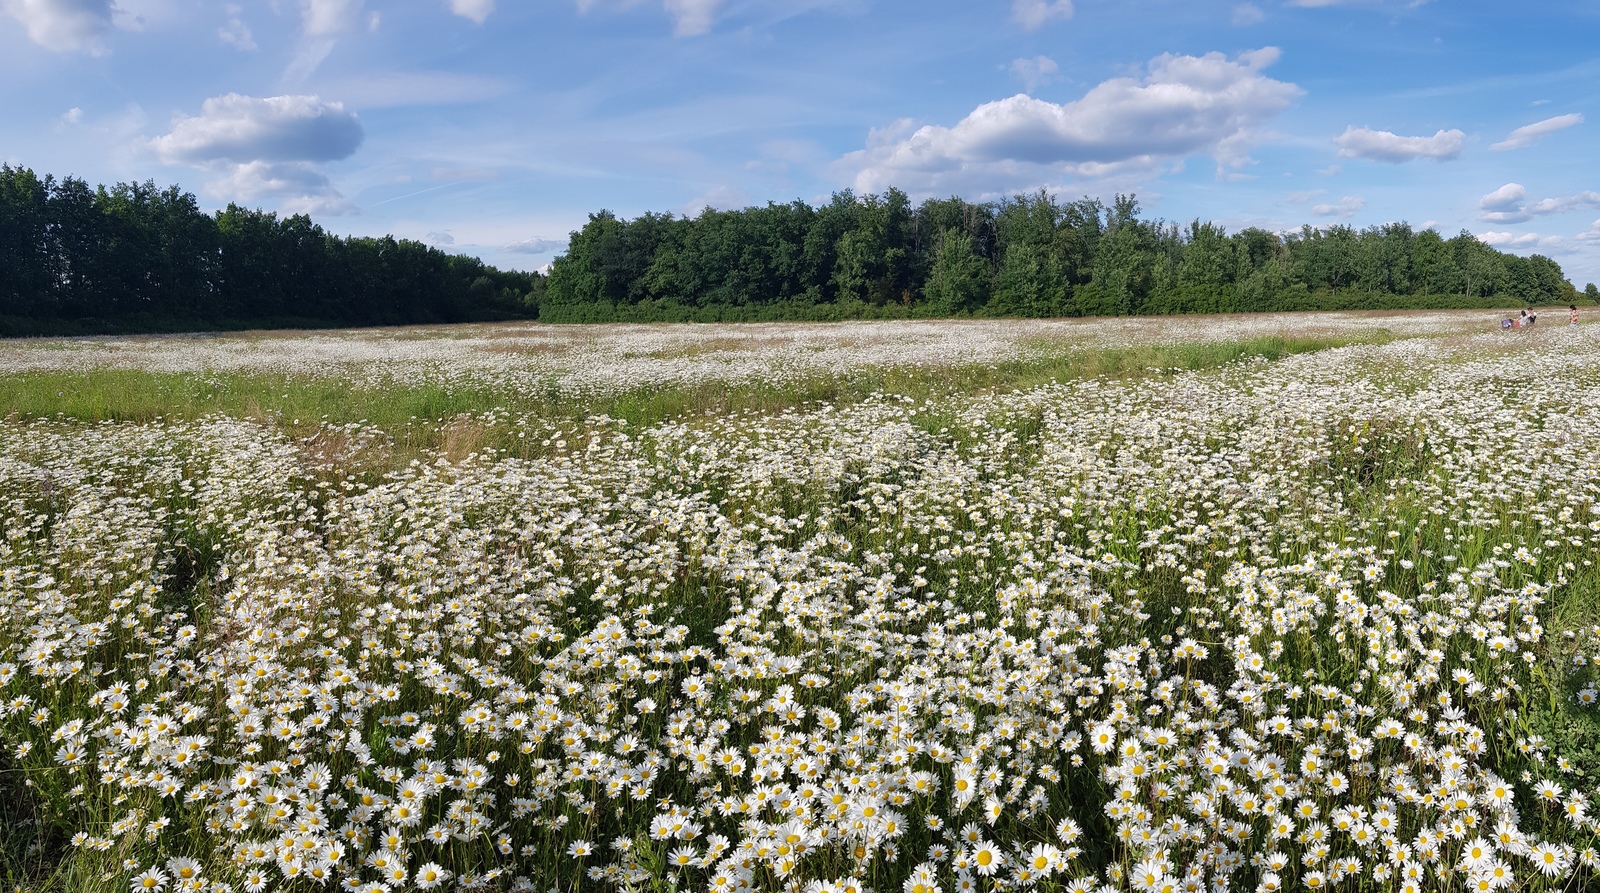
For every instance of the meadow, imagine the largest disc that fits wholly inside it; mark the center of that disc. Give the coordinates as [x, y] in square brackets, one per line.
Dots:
[1292, 602]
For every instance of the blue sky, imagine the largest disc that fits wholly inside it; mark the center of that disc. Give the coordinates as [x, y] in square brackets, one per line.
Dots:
[494, 127]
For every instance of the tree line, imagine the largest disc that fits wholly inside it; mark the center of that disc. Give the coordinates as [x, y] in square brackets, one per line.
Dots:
[1032, 255]
[131, 258]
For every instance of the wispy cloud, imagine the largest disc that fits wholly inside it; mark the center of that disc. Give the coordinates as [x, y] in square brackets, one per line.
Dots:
[1035, 71]
[323, 24]
[1246, 14]
[476, 10]
[1344, 208]
[1528, 135]
[235, 32]
[385, 89]
[64, 26]
[1035, 14]
[535, 246]
[690, 18]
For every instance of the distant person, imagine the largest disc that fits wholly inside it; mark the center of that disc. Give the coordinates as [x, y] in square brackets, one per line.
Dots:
[1506, 324]
[1522, 319]
[1533, 316]
[1572, 315]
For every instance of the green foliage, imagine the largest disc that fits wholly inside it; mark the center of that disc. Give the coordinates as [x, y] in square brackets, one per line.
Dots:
[960, 280]
[134, 258]
[877, 257]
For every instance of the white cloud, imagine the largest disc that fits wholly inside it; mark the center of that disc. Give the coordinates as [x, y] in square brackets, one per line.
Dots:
[1035, 71]
[64, 26]
[476, 10]
[1509, 204]
[1564, 203]
[1345, 208]
[1592, 234]
[536, 246]
[1381, 145]
[1506, 198]
[1511, 240]
[1032, 14]
[438, 239]
[323, 23]
[1248, 14]
[1300, 198]
[240, 128]
[73, 115]
[1525, 136]
[689, 17]
[298, 187]
[236, 33]
[266, 148]
[331, 18]
[1185, 105]
[718, 198]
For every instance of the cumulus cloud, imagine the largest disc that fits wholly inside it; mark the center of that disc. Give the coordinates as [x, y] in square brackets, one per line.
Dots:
[536, 246]
[266, 148]
[64, 26]
[1592, 234]
[476, 10]
[1506, 198]
[1184, 105]
[298, 188]
[1300, 198]
[1248, 14]
[1509, 204]
[1032, 14]
[1344, 208]
[1381, 145]
[240, 128]
[1035, 71]
[1511, 239]
[439, 238]
[1525, 136]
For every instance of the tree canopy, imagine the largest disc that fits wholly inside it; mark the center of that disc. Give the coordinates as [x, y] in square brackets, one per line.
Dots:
[1032, 255]
[137, 258]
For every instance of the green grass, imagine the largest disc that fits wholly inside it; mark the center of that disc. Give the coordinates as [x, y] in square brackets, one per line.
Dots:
[127, 395]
